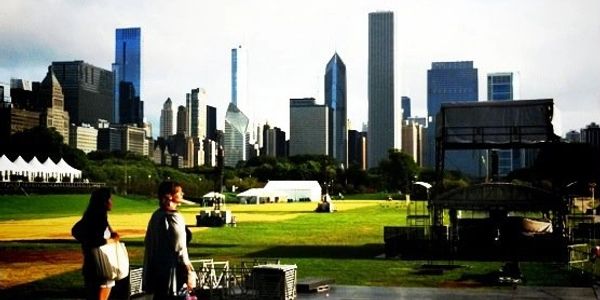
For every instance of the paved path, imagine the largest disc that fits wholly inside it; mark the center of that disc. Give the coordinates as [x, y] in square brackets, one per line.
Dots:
[521, 292]
[348, 292]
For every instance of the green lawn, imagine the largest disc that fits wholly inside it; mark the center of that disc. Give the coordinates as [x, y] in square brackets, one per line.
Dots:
[344, 245]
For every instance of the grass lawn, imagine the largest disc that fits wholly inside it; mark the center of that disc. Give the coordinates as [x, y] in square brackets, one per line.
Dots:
[343, 245]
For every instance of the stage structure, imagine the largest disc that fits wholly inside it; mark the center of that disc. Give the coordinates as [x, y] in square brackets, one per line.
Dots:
[491, 125]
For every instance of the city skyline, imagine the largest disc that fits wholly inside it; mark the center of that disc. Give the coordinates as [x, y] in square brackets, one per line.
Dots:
[187, 44]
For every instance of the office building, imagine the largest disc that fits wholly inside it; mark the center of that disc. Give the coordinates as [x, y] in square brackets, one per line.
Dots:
[357, 149]
[504, 87]
[384, 114]
[88, 91]
[5, 92]
[239, 81]
[591, 135]
[406, 114]
[451, 82]
[196, 101]
[83, 137]
[211, 122]
[234, 138]
[412, 141]
[182, 121]
[54, 114]
[131, 108]
[573, 136]
[335, 99]
[309, 132]
[166, 119]
[127, 65]
[273, 142]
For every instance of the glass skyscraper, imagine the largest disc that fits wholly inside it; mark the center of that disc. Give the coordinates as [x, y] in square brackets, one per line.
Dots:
[238, 79]
[335, 99]
[505, 87]
[127, 66]
[384, 114]
[451, 82]
[234, 141]
[406, 113]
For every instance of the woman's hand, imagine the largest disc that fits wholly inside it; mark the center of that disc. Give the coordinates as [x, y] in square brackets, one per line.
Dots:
[192, 278]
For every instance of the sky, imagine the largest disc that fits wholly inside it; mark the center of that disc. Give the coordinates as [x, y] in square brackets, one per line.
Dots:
[554, 45]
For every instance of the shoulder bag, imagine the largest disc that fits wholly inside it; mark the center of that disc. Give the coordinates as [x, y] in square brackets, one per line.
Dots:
[112, 261]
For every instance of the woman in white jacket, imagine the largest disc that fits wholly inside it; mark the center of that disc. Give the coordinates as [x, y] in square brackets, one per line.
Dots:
[166, 262]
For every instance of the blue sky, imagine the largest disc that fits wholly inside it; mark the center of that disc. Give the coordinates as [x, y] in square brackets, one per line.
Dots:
[554, 46]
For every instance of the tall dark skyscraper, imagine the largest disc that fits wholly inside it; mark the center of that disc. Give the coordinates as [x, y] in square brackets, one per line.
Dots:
[335, 98]
[384, 115]
[127, 66]
[451, 82]
[182, 121]
[211, 122]
[88, 91]
[131, 109]
[405, 108]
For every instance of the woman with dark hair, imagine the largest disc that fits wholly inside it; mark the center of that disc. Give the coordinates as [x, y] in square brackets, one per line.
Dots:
[93, 231]
[167, 266]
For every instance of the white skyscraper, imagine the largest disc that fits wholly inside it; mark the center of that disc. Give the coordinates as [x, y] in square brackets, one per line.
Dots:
[166, 119]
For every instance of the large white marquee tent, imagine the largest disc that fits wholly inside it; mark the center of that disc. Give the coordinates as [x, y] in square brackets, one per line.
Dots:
[283, 190]
[35, 169]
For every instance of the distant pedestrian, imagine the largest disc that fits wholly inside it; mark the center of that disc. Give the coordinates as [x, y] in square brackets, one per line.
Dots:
[167, 266]
[93, 231]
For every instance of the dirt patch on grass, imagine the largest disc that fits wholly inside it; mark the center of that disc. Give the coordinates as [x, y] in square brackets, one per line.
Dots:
[21, 266]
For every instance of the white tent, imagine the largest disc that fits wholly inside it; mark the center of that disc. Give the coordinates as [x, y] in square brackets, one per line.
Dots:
[66, 170]
[212, 195]
[37, 168]
[51, 169]
[6, 168]
[23, 168]
[295, 190]
[259, 195]
[33, 169]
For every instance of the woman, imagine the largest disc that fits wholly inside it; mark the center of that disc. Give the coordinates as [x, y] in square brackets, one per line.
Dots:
[94, 231]
[166, 263]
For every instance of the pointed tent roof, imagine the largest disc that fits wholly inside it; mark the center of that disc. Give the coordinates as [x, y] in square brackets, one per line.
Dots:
[21, 165]
[36, 165]
[50, 165]
[6, 164]
[64, 167]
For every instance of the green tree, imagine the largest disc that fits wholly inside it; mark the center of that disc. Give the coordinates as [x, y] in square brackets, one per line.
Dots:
[398, 171]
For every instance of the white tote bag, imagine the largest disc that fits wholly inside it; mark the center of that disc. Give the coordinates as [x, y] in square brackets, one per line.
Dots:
[112, 261]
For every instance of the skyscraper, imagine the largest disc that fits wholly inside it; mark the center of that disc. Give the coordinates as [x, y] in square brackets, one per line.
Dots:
[182, 121]
[211, 122]
[505, 87]
[166, 119]
[88, 91]
[384, 115]
[127, 66]
[197, 112]
[335, 99]
[239, 82]
[405, 108]
[451, 82]
[308, 127]
[234, 141]
[54, 114]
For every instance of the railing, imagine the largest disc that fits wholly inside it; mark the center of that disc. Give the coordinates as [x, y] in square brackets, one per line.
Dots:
[18, 187]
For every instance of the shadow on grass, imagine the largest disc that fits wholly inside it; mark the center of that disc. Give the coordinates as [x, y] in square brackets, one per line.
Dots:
[366, 251]
[61, 286]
